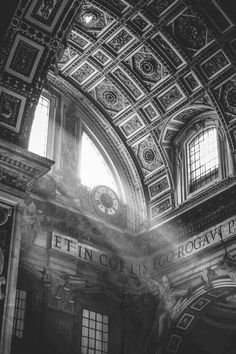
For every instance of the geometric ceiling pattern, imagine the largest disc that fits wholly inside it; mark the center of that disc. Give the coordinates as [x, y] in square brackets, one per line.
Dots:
[148, 67]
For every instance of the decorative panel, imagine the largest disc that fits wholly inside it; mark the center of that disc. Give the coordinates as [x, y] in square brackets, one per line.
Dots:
[68, 56]
[190, 32]
[120, 40]
[131, 125]
[79, 40]
[158, 7]
[84, 72]
[24, 58]
[151, 111]
[149, 68]
[226, 94]
[162, 43]
[101, 57]
[148, 155]
[141, 22]
[158, 187]
[119, 5]
[192, 81]
[161, 207]
[174, 343]
[215, 64]
[128, 83]
[45, 13]
[171, 97]
[109, 97]
[185, 321]
[93, 20]
[11, 109]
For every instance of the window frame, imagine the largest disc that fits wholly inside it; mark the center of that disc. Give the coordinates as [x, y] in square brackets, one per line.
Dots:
[102, 313]
[17, 310]
[187, 169]
[51, 123]
[100, 146]
[181, 158]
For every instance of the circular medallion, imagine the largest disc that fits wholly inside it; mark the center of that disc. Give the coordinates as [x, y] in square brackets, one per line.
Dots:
[89, 17]
[105, 201]
[109, 97]
[148, 155]
[231, 97]
[148, 66]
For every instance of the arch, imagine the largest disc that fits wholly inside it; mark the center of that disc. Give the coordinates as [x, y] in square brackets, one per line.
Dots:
[212, 310]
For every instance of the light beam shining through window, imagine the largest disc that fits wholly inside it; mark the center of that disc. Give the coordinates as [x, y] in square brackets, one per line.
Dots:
[94, 168]
[39, 130]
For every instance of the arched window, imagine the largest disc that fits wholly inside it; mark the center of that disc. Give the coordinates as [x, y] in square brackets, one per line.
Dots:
[95, 166]
[202, 156]
[203, 159]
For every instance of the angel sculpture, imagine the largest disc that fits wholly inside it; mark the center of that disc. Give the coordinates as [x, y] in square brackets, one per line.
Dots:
[169, 305]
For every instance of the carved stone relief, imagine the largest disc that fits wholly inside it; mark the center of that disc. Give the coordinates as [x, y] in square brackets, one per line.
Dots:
[148, 155]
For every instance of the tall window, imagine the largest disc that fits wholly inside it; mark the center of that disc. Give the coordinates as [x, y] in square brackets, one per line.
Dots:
[203, 159]
[39, 131]
[94, 169]
[202, 156]
[19, 314]
[94, 333]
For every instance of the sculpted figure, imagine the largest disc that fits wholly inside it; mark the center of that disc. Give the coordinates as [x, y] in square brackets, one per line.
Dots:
[207, 276]
[169, 304]
[228, 264]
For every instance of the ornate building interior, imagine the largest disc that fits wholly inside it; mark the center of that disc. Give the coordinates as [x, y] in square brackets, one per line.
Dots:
[118, 177]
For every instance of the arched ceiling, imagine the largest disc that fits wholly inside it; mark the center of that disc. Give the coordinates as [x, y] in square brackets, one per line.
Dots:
[146, 67]
[149, 67]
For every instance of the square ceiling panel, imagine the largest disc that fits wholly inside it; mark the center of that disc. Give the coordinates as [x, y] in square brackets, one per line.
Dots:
[83, 73]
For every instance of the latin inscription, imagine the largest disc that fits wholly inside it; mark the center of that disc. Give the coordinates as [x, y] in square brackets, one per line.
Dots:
[72, 247]
[168, 256]
[194, 244]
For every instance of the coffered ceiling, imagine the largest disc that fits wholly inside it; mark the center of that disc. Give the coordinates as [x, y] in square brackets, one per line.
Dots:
[147, 67]
[150, 67]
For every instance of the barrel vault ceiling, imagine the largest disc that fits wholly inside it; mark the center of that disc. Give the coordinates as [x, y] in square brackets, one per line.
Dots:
[147, 67]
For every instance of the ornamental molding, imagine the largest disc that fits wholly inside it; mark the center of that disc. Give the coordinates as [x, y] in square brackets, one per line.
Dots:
[20, 168]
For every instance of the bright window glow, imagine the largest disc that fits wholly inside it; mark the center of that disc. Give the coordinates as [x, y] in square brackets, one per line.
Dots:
[203, 159]
[39, 130]
[94, 169]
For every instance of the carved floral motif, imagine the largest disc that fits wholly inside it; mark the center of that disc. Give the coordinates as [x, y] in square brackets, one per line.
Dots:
[215, 64]
[120, 40]
[158, 187]
[109, 96]
[148, 154]
[84, 72]
[191, 32]
[131, 126]
[171, 97]
[149, 68]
